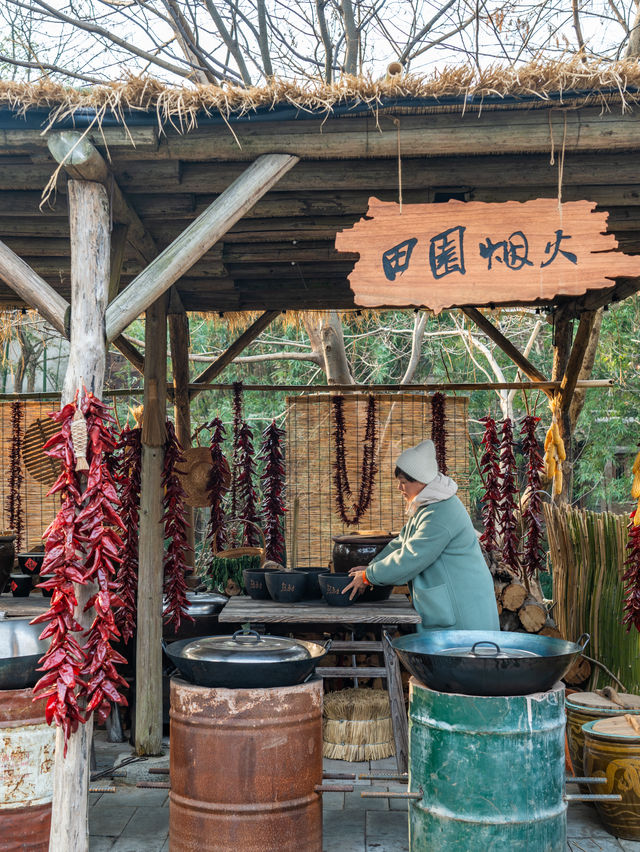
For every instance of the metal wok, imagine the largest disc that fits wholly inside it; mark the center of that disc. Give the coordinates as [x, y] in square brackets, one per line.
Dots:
[246, 674]
[20, 650]
[437, 659]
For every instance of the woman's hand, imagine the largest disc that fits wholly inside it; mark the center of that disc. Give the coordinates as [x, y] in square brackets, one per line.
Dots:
[357, 584]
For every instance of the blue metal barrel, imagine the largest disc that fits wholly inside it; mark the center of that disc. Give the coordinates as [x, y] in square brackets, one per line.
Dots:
[491, 770]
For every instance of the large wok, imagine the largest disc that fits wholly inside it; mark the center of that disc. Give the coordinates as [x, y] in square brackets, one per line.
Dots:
[246, 670]
[20, 650]
[525, 663]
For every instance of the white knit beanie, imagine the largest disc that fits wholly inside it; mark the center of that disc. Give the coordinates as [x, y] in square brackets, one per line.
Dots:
[419, 462]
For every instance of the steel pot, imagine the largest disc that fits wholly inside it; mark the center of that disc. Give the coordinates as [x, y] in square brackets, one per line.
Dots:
[204, 608]
[20, 651]
[245, 660]
[483, 662]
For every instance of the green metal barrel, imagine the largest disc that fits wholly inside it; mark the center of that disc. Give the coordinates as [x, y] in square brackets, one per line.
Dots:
[491, 770]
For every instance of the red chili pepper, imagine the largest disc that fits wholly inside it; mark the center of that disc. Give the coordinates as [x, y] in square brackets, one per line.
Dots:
[507, 507]
[128, 470]
[438, 431]
[631, 577]
[532, 557]
[490, 472]
[273, 483]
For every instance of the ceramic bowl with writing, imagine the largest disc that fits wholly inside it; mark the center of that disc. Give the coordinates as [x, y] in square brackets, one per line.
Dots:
[332, 586]
[255, 583]
[20, 585]
[313, 586]
[30, 563]
[287, 586]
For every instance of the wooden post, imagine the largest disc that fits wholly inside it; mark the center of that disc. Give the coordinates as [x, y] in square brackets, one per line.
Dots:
[179, 341]
[396, 702]
[89, 231]
[148, 713]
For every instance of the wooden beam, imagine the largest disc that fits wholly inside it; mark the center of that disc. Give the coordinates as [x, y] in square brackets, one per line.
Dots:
[89, 223]
[33, 289]
[507, 347]
[82, 160]
[234, 350]
[118, 245]
[576, 358]
[148, 735]
[196, 240]
[133, 355]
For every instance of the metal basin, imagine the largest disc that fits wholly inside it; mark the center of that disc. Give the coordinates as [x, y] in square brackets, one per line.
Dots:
[20, 650]
[539, 663]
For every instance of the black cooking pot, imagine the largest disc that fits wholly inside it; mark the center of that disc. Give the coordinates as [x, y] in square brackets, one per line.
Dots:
[487, 662]
[203, 607]
[20, 652]
[349, 551]
[245, 660]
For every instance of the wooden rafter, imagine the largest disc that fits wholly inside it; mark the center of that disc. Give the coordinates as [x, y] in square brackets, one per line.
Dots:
[576, 358]
[507, 347]
[34, 290]
[234, 350]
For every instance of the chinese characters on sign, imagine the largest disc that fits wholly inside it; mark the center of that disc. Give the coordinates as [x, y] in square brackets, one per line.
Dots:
[453, 254]
[446, 253]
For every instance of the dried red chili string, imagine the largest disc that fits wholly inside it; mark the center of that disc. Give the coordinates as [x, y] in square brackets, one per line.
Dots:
[532, 555]
[14, 507]
[217, 486]
[631, 576]
[369, 467]
[247, 497]
[507, 507]
[235, 467]
[273, 491]
[490, 472]
[128, 478]
[438, 431]
[175, 533]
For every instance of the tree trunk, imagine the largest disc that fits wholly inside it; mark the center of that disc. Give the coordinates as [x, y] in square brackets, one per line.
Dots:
[335, 355]
[89, 231]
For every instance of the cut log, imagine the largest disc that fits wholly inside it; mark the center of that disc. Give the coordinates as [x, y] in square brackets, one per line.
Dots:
[514, 596]
[578, 673]
[532, 615]
[552, 632]
[500, 608]
[509, 621]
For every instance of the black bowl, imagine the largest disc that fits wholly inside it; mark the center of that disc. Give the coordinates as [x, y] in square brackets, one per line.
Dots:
[332, 586]
[46, 593]
[313, 586]
[20, 585]
[375, 593]
[30, 563]
[255, 584]
[286, 586]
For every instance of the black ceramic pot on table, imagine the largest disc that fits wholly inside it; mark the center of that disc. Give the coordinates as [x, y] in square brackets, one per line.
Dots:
[355, 549]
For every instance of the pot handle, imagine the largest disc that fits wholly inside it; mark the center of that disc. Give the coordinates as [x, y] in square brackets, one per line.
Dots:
[327, 644]
[486, 642]
[583, 641]
[247, 633]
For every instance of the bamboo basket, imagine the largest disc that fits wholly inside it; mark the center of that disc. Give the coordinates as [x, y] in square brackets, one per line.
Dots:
[356, 725]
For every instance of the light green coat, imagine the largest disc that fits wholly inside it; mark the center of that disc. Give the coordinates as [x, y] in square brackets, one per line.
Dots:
[438, 554]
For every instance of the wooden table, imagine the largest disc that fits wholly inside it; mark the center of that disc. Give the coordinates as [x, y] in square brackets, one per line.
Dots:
[23, 607]
[384, 616]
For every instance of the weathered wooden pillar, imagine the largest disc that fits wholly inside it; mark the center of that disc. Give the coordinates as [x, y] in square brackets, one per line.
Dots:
[90, 247]
[179, 342]
[148, 711]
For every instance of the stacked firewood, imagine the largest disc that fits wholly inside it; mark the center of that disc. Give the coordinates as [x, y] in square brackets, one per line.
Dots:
[520, 602]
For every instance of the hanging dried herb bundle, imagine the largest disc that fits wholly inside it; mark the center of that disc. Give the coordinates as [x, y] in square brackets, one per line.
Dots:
[490, 472]
[532, 556]
[129, 454]
[14, 497]
[438, 431]
[369, 467]
[217, 484]
[235, 471]
[273, 491]
[247, 497]
[99, 526]
[632, 575]
[175, 533]
[507, 508]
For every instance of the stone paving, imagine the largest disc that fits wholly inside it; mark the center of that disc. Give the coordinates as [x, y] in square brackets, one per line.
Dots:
[137, 820]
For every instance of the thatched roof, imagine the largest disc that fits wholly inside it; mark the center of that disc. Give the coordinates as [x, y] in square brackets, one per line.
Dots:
[459, 88]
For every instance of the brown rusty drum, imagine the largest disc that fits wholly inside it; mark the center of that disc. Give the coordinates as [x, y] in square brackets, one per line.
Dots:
[244, 767]
[26, 772]
[583, 707]
[612, 751]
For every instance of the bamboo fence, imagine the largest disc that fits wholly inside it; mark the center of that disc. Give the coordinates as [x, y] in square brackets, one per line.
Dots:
[588, 551]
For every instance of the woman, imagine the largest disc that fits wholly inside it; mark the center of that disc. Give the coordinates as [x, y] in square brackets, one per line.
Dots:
[436, 552]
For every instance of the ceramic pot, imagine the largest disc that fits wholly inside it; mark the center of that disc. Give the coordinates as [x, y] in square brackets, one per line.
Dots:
[352, 550]
[286, 586]
[20, 585]
[7, 558]
[30, 563]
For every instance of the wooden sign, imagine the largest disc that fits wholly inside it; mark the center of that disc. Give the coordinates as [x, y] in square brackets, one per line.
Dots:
[444, 255]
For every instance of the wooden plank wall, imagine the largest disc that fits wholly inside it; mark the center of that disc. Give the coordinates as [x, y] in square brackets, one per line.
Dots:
[403, 421]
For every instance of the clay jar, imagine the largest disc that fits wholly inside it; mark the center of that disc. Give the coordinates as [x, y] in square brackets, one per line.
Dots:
[7, 557]
[352, 550]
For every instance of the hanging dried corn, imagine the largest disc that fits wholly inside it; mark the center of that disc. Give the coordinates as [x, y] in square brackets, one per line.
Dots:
[635, 489]
[554, 451]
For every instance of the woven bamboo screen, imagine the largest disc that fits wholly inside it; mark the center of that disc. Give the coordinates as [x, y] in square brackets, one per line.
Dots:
[403, 420]
[38, 510]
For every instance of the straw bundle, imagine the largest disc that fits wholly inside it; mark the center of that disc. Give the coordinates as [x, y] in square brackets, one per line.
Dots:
[357, 725]
[588, 551]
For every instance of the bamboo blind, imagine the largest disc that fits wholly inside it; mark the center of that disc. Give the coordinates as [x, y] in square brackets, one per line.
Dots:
[403, 420]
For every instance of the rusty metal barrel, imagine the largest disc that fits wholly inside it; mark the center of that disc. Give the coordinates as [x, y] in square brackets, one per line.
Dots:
[244, 767]
[27, 746]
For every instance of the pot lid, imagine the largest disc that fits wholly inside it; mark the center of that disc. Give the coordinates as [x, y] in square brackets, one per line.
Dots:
[617, 727]
[203, 603]
[486, 650]
[593, 701]
[366, 540]
[245, 648]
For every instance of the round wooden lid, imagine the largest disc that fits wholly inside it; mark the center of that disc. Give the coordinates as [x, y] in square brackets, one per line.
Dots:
[615, 726]
[593, 701]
